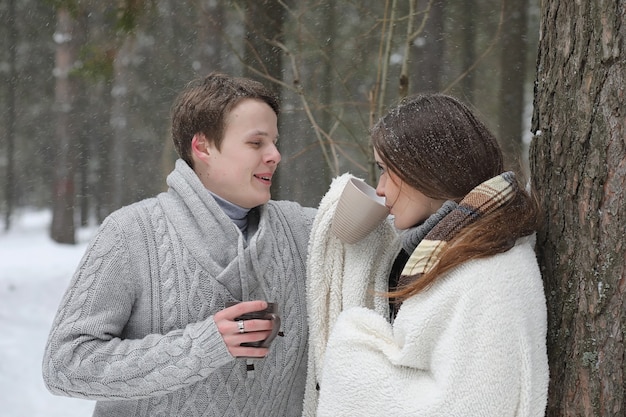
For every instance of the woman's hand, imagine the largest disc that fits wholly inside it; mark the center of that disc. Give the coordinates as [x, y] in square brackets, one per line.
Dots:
[235, 332]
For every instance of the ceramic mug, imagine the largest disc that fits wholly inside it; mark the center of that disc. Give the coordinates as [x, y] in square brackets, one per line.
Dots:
[359, 211]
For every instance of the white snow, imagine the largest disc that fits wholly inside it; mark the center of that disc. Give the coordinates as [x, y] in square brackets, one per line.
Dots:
[34, 273]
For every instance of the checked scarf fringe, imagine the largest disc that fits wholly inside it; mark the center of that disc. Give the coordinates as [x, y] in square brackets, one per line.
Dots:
[483, 199]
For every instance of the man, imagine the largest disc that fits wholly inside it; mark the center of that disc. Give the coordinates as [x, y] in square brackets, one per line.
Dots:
[143, 326]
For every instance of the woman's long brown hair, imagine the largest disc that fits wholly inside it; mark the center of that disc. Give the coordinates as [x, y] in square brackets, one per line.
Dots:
[436, 145]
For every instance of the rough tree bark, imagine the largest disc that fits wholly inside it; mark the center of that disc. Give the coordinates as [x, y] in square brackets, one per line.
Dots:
[578, 161]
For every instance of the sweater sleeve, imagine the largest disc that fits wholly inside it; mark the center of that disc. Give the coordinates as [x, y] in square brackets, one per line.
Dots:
[87, 354]
[462, 348]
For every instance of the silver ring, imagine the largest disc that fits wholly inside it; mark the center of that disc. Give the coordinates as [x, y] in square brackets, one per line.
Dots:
[240, 326]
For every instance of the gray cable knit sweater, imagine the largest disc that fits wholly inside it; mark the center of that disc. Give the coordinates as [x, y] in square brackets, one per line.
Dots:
[135, 328]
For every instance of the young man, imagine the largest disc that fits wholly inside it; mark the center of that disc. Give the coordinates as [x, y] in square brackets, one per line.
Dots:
[143, 326]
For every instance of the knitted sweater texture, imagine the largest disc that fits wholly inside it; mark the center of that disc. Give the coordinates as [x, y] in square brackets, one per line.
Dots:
[340, 276]
[135, 328]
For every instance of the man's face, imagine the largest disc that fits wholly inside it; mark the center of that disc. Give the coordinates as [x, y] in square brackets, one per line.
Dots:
[241, 172]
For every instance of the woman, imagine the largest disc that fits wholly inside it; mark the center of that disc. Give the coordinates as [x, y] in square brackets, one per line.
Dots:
[467, 335]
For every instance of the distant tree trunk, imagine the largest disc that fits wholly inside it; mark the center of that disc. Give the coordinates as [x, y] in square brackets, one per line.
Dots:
[327, 120]
[100, 149]
[468, 52]
[209, 45]
[429, 49]
[512, 81]
[83, 154]
[264, 27]
[327, 86]
[83, 175]
[10, 115]
[67, 37]
[578, 161]
[121, 113]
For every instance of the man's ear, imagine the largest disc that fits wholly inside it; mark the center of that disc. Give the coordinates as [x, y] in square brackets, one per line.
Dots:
[199, 148]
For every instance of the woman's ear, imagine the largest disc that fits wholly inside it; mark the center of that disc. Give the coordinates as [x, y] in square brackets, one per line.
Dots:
[199, 148]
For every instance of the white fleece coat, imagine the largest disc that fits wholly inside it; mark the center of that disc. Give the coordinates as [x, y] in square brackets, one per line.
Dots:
[474, 344]
[341, 276]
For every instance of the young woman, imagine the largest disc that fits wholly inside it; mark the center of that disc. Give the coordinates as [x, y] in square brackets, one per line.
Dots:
[143, 326]
[467, 334]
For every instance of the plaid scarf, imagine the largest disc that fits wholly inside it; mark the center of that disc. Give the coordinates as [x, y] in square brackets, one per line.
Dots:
[483, 199]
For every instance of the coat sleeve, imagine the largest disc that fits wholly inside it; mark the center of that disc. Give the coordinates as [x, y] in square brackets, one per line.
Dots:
[87, 354]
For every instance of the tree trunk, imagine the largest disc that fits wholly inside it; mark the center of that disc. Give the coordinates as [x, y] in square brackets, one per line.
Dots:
[10, 115]
[209, 44]
[100, 149]
[578, 160]
[429, 49]
[264, 28]
[512, 82]
[84, 153]
[121, 113]
[62, 229]
[468, 53]
[327, 119]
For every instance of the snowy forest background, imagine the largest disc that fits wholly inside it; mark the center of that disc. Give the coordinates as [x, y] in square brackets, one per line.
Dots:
[85, 99]
[89, 85]
[84, 105]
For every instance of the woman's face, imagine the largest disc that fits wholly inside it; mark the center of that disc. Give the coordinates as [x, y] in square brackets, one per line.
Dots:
[408, 206]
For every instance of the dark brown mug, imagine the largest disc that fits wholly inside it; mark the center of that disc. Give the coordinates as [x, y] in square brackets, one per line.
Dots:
[270, 313]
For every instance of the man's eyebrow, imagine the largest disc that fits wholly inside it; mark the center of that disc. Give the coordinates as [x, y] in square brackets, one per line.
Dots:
[262, 133]
[258, 133]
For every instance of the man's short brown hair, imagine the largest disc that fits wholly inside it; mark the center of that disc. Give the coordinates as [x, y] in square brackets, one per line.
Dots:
[204, 104]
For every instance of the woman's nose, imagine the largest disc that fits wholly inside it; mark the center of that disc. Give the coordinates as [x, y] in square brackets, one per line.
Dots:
[380, 188]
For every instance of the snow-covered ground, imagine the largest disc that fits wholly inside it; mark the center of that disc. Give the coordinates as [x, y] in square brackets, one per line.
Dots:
[34, 272]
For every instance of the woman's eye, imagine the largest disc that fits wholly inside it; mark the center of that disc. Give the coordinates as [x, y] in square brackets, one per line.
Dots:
[380, 167]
